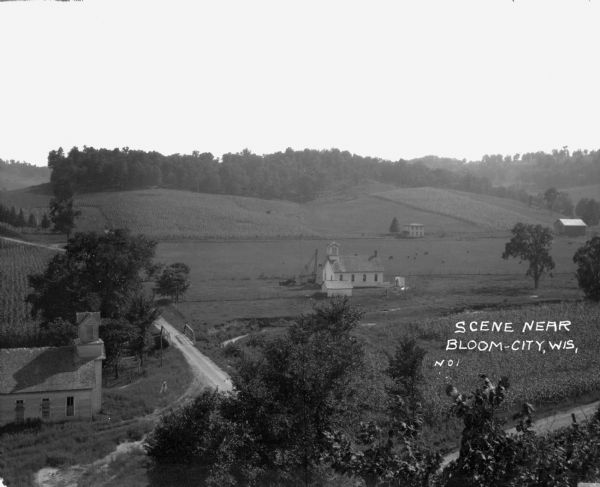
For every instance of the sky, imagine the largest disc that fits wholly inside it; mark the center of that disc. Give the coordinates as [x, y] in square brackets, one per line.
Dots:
[390, 79]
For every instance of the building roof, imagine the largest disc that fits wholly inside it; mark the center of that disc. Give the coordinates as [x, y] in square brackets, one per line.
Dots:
[44, 369]
[357, 263]
[413, 225]
[572, 222]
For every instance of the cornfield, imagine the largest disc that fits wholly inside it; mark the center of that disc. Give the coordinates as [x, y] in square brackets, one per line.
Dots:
[167, 214]
[16, 263]
[536, 377]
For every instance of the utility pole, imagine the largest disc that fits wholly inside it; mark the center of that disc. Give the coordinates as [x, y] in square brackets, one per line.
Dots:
[161, 346]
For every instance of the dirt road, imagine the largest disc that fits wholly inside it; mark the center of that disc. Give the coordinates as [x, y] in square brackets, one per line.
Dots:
[545, 425]
[54, 247]
[206, 372]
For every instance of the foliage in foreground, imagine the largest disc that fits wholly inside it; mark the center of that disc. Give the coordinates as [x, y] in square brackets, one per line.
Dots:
[292, 421]
[293, 412]
[587, 259]
[491, 457]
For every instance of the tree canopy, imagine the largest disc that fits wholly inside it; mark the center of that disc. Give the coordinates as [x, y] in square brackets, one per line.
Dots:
[97, 272]
[291, 175]
[174, 281]
[531, 243]
[587, 259]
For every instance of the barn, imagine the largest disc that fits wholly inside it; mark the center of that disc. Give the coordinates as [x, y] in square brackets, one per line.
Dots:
[572, 227]
[54, 383]
[414, 230]
[356, 270]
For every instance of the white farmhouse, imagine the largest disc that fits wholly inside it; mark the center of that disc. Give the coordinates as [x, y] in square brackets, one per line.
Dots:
[414, 230]
[54, 383]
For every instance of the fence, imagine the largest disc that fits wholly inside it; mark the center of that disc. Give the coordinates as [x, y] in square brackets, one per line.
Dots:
[188, 332]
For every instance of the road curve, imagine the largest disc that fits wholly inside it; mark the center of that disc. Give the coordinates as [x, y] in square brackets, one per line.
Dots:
[206, 372]
[546, 425]
[54, 247]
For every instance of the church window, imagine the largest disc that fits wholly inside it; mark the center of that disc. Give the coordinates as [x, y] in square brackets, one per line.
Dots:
[20, 411]
[70, 406]
[45, 408]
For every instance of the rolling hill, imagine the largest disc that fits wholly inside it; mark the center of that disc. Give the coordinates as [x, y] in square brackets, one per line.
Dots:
[485, 212]
[363, 211]
[578, 192]
[173, 214]
[16, 175]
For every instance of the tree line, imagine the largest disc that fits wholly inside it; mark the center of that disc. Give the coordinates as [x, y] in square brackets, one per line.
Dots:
[290, 175]
[17, 218]
[559, 168]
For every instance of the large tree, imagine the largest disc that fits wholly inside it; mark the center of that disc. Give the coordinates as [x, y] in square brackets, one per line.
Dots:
[587, 259]
[550, 196]
[97, 272]
[531, 243]
[588, 210]
[116, 335]
[141, 315]
[174, 281]
[62, 215]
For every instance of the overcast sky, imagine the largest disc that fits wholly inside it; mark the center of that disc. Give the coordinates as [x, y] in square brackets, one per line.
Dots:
[389, 79]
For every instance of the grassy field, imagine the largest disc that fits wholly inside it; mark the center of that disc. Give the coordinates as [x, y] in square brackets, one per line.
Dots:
[486, 212]
[80, 442]
[11, 179]
[16, 263]
[370, 215]
[578, 192]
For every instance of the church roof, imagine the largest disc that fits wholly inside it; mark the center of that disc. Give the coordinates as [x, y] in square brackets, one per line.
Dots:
[44, 369]
[357, 263]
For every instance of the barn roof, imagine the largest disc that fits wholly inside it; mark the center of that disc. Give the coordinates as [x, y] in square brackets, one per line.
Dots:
[44, 369]
[357, 263]
[572, 222]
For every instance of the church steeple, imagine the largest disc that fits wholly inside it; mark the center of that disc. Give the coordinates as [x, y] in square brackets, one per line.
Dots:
[333, 251]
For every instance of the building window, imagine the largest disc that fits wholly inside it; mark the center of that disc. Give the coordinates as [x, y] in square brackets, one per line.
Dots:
[375, 277]
[19, 411]
[70, 406]
[364, 278]
[45, 408]
[341, 277]
[352, 277]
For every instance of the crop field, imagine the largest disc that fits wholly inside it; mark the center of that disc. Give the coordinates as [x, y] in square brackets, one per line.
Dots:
[542, 378]
[16, 263]
[170, 214]
[485, 211]
[362, 211]
[32, 197]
